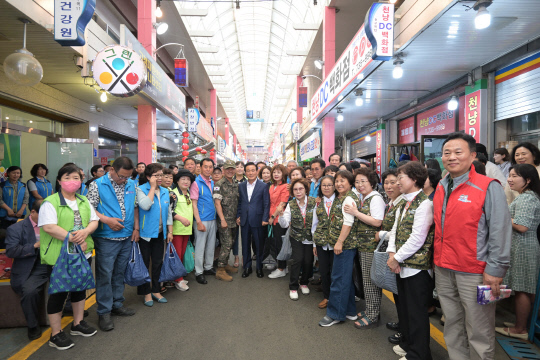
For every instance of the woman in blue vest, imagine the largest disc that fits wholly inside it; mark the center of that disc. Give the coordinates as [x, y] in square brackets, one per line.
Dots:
[155, 218]
[38, 186]
[13, 198]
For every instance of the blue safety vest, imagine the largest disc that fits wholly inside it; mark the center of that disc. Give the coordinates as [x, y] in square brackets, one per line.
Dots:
[8, 193]
[149, 219]
[109, 206]
[44, 189]
[83, 190]
[205, 203]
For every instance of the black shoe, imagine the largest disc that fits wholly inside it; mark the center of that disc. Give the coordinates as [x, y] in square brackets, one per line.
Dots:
[394, 326]
[83, 329]
[317, 288]
[61, 341]
[201, 279]
[246, 272]
[260, 274]
[123, 311]
[316, 282]
[395, 339]
[209, 272]
[105, 322]
[34, 333]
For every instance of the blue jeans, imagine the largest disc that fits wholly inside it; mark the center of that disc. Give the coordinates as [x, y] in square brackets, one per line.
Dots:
[112, 257]
[341, 299]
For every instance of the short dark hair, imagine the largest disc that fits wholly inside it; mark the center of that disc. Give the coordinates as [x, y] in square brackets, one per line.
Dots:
[466, 137]
[321, 162]
[481, 149]
[332, 168]
[106, 167]
[479, 167]
[250, 163]
[218, 168]
[328, 177]
[302, 181]
[504, 152]
[123, 162]
[416, 171]
[167, 171]
[260, 162]
[239, 162]
[67, 170]
[190, 159]
[94, 169]
[334, 154]
[434, 177]
[149, 170]
[259, 174]
[140, 164]
[13, 168]
[355, 165]
[346, 175]
[36, 167]
[369, 174]
[482, 158]
[284, 173]
[531, 147]
[347, 166]
[388, 173]
[528, 172]
[366, 164]
[172, 167]
[36, 205]
[301, 169]
[432, 164]
[208, 159]
[306, 168]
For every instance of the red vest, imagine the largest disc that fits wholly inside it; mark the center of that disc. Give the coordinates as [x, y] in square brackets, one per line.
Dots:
[455, 246]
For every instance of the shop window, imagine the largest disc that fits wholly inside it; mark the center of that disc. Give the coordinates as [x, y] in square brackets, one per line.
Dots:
[21, 118]
[524, 123]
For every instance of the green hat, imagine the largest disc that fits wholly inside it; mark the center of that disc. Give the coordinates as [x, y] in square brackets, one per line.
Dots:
[229, 164]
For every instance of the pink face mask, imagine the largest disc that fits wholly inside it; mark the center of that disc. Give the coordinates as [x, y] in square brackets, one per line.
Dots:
[71, 185]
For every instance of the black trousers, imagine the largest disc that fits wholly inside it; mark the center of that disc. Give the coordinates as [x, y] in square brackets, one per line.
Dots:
[277, 243]
[30, 293]
[326, 260]
[302, 255]
[152, 250]
[415, 294]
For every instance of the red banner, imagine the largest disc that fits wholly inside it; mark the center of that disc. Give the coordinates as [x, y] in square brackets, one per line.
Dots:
[436, 121]
[472, 115]
[406, 131]
[379, 152]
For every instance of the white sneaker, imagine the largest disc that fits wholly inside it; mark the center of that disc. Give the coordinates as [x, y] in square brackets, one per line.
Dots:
[270, 266]
[293, 294]
[352, 317]
[305, 289]
[277, 274]
[403, 358]
[181, 285]
[399, 351]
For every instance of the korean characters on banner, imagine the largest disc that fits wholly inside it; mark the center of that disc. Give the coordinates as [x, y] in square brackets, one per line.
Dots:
[436, 121]
[181, 72]
[475, 111]
[380, 30]
[154, 152]
[379, 146]
[193, 119]
[311, 147]
[302, 96]
[70, 20]
[406, 131]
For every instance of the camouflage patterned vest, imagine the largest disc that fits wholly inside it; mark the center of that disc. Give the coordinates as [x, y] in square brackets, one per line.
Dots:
[320, 237]
[390, 216]
[336, 223]
[423, 258]
[364, 232]
[300, 228]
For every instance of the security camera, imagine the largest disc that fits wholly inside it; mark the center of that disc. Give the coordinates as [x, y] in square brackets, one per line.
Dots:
[304, 77]
[79, 62]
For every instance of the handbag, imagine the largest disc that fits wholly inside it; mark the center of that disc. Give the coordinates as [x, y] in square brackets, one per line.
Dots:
[381, 275]
[286, 250]
[189, 258]
[172, 267]
[136, 272]
[71, 272]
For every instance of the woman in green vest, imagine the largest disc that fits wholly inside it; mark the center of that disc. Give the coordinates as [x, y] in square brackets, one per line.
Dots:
[411, 257]
[299, 216]
[63, 213]
[341, 235]
[321, 224]
[370, 214]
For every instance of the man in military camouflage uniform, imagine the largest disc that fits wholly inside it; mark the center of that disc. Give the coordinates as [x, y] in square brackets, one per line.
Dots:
[226, 200]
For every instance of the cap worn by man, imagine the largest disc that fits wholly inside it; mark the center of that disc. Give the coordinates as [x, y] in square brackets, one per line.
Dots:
[229, 164]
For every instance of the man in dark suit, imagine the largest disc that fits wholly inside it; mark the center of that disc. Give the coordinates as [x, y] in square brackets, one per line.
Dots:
[28, 275]
[253, 211]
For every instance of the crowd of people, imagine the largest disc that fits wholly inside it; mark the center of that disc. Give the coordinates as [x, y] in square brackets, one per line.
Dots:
[441, 223]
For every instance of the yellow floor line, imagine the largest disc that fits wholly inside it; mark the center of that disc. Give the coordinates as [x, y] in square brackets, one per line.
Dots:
[436, 334]
[32, 347]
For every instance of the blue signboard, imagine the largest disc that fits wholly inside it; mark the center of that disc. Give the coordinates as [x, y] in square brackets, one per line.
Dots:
[70, 20]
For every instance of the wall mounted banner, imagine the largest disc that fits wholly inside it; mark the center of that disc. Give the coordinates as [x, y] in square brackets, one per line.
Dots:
[406, 131]
[302, 96]
[380, 145]
[475, 111]
[193, 119]
[70, 20]
[380, 30]
[119, 70]
[181, 72]
[311, 147]
[436, 121]
[254, 116]
[295, 129]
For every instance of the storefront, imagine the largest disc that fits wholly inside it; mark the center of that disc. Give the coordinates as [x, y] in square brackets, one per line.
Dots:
[364, 146]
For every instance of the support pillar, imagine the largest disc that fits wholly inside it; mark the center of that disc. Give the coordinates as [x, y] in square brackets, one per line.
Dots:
[147, 128]
[235, 141]
[328, 138]
[299, 110]
[227, 131]
[329, 58]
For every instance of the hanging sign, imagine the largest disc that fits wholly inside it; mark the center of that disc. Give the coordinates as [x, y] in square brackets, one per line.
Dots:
[214, 127]
[295, 129]
[406, 131]
[119, 70]
[197, 102]
[181, 72]
[254, 116]
[380, 30]
[70, 20]
[379, 149]
[436, 121]
[193, 119]
[311, 147]
[302, 96]
[154, 152]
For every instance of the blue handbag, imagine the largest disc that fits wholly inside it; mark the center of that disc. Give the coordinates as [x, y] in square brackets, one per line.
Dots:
[71, 272]
[189, 258]
[172, 267]
[136, 272]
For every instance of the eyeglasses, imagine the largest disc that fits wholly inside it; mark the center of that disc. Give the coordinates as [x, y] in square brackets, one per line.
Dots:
[188, 200]
[363, 181]
[158, 175]
[402, 177]
[123, 177]
[327, 186]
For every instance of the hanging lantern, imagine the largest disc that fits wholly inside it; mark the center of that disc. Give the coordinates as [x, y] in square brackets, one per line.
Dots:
[184, 158]
[185, 141]
[198, 149]
[212, 151]
[185, 134]
[185, 153]
[203, 152]
[185, 147]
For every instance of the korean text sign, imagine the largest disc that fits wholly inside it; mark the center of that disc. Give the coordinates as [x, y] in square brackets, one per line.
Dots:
[406, 131]
[311, 147]
[380, 30]
[472, 114]
[436, 121]
[70, 20]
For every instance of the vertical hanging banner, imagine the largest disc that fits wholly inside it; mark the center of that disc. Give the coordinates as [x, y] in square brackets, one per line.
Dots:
[181, 72]
[193, 119]
[154, 152]
[380, 30]
[476, 110]
[302, 96]
[379, 152]
[70, 20]
[197, 102]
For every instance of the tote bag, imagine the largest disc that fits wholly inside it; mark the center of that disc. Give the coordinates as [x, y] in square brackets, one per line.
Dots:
[172, 267]
[189, 258]
[136, 272]
[381, 275]
[286, 250]
[71, 272]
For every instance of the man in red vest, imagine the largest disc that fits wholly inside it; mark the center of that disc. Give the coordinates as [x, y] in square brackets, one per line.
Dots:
[473, 231]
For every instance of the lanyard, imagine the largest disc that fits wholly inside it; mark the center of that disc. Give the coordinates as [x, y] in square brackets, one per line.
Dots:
[303, 212]
[408, 204]
[328, 205]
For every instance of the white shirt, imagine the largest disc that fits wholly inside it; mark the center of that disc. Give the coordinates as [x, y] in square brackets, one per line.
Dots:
[327, 205]
[376, 206]
[494, 172]
[285, 219]
[423, 218]
[382, 233]
[250, 188]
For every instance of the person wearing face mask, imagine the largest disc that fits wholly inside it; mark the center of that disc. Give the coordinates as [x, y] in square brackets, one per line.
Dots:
[14, 198]
[113, 197]
[66, 213]
[523, 153]
[522, 277]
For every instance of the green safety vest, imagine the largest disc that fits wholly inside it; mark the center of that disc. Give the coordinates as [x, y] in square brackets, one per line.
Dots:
[364, 232]
[184, 210]
[336, 223]
[300, 226]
